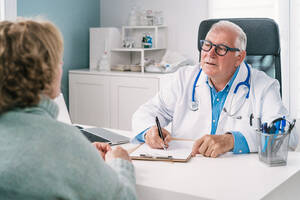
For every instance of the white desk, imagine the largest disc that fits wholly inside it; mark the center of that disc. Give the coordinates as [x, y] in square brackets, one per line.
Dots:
[230, 176]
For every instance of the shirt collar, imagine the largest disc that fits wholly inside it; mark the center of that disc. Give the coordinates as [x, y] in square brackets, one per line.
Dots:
[228, 85]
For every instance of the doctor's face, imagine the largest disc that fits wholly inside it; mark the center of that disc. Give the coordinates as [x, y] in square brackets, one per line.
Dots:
[218, 68]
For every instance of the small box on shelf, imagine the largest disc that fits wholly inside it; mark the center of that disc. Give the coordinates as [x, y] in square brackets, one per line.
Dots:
[122, 67]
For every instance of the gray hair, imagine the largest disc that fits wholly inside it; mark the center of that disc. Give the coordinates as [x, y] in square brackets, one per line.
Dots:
[241, 41]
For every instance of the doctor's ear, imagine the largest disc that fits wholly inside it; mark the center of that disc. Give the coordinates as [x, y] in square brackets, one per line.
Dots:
[240, 57]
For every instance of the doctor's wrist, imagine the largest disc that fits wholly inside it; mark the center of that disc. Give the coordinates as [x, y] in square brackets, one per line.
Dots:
[229, 140]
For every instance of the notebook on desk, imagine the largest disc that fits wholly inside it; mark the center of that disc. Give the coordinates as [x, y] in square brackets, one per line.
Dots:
[95, 134]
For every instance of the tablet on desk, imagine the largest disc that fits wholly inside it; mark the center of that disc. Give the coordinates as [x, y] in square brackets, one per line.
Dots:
[98, 134]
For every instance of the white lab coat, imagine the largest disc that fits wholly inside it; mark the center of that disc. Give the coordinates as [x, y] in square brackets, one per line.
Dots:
[172, 104]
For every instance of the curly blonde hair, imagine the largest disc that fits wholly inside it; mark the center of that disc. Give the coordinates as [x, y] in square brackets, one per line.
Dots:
[30, 54]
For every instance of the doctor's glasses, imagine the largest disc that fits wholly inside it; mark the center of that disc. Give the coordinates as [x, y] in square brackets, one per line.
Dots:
[220, 49]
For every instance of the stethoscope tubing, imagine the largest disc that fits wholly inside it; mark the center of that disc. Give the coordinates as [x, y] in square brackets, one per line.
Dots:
[194, 104]
[195, 83]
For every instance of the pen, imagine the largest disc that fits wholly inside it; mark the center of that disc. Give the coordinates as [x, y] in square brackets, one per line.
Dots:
[283, 124]
[159, 131]
[265, 138]
[269, 138]
[277, 128]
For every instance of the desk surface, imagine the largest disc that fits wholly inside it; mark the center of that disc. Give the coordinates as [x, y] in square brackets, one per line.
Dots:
[227, 177]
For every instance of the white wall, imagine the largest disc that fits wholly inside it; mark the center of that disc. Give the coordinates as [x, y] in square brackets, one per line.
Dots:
[10, 9]
[181, 17]
[294, 61]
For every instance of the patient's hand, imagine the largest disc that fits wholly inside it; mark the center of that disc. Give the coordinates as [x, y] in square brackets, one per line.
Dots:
[117, 152]
[103, 148]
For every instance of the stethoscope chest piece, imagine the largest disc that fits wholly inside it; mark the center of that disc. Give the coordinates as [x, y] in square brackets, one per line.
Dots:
[194, 105]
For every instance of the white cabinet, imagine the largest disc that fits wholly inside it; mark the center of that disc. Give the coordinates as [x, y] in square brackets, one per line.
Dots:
[89, 100]
[137, 54]
[108, 99]
[127, 94]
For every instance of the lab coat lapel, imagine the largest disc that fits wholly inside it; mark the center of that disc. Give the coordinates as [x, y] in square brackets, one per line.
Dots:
[233, 101]
[232, 98]
[194, 124]
[204, 97]
[202, 90]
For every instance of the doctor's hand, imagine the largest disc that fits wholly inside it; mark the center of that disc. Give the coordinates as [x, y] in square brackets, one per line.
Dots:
[213, 145]
[154, 141]
[103, 148]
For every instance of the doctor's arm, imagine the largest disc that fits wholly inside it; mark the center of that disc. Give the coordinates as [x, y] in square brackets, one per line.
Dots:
[240, 143]
[143, 123]
[215, 145]
[144, 117]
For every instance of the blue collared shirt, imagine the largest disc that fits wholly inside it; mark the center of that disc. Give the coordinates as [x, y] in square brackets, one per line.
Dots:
[217, 102]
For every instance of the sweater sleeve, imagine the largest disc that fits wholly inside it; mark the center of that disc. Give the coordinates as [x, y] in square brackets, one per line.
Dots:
[112, 180]
[89, 176]
[126, 177]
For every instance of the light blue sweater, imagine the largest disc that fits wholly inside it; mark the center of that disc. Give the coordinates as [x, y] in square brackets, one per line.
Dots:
[42, 158]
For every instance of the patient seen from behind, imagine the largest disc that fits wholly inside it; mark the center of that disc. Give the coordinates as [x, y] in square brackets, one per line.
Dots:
[42, 158]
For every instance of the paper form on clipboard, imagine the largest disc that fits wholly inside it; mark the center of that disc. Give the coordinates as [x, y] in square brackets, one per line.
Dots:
[178, 151]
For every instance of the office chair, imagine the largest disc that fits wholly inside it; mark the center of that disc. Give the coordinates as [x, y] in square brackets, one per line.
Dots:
[263, 46]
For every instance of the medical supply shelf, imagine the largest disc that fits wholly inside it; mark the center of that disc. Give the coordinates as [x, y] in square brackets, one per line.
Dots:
[137, 55]
[129, 56]
[158, 33]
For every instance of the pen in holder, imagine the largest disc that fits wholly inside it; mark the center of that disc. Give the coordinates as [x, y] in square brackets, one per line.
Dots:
[273, 142]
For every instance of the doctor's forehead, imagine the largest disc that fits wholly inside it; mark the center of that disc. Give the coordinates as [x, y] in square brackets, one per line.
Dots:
[225, 36]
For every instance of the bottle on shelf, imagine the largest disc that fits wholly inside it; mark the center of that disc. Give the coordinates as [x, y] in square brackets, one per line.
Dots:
[147, 40]
[133, 17]
[103, 64]
[144, 40]
[158, 18]
[143, 18]
[149, 17]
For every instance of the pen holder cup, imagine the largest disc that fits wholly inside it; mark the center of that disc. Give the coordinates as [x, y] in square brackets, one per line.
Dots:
[273, 148]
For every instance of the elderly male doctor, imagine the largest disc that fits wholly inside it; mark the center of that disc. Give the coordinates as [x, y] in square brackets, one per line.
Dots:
[211, 102]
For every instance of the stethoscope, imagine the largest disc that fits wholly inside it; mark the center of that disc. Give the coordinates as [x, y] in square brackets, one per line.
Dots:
[195, 104]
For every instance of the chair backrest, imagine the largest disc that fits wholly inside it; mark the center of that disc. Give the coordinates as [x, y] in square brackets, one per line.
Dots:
[262, 42]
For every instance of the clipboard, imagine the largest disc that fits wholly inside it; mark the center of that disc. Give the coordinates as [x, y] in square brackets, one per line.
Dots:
[178, 151]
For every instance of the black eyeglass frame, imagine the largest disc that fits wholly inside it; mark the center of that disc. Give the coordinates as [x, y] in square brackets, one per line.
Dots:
[216, 46]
